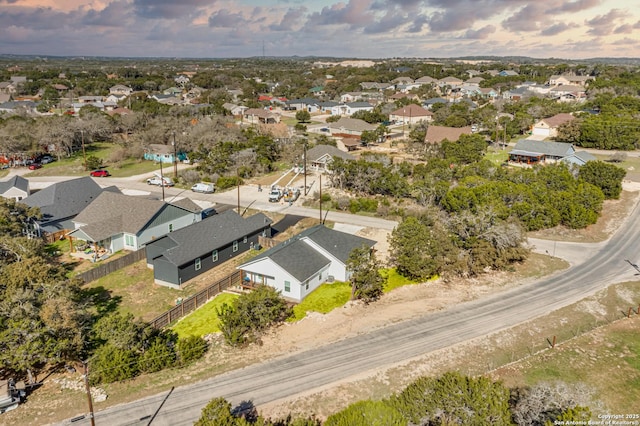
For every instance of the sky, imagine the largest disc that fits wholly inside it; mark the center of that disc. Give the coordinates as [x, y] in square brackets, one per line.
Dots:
[350, 28]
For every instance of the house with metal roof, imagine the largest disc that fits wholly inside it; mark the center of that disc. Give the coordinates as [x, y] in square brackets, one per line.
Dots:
[61, 202]
[301, 264]
[115, 221]
[188, 252]
[16, 188]
[530, 152]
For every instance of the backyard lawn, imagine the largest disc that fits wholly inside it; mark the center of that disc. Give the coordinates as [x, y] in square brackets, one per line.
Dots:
[203, 320]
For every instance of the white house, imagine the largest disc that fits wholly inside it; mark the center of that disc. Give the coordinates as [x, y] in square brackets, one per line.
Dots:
[299, 265]
[16, 188]
[548, 127]
[350, 108]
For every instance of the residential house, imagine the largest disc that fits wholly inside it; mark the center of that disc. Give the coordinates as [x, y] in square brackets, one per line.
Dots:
[317, 91]
[353, 97]
[351, 108]
[260, 116]
[320, 156]
[90, 99]
[350, 126]
[182, 80]
[115, 221]
[450, 81]
[304, 104]
[186, 253]
[15, 188]
[548, 127]
[530, 152]
[60, 203]
[436, 134]
[577, 80]
[426, 80]
[517, 94]
[372, 85]
[235, 110]
[488, 92]
[475, 81]
[4, 97]
[167, 99]
[411, 114]
[508, 73]
[568, 93]
[8, 87]
[429, 103]
[402, 80]
[121, 90]
[161, 153]
[325, 107]
[15, 107]
[173, 91]
[301, 264]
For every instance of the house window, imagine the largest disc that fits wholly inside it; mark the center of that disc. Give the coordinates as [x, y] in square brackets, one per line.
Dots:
[128, 240]
[171, 227]
[307, 286]
[320, 277]
[214, 255]
[235, 246]
[198, 264]
[287, 286]
[244, 240]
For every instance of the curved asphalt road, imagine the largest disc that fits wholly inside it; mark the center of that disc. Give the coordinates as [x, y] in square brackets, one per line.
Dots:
[290, 375]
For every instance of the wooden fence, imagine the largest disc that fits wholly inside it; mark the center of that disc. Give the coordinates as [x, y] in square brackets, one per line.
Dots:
[112, 266]
[192, 303]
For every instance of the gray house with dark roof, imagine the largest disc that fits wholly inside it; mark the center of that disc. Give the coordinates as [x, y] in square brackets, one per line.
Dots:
[184, 254]
[320, 156]
[61, 202]
[115, 221]
[299, 265]
[16, 188]
[531, 151]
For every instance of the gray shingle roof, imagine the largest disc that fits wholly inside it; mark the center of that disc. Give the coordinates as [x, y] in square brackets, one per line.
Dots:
[66, 199]
[299, 261]
[187, 204]
[113, 213]
[17, 182]
[354, 124]
[319, 151]
[201, 238]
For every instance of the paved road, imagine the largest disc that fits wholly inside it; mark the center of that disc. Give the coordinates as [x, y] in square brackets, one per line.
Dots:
[290, 375]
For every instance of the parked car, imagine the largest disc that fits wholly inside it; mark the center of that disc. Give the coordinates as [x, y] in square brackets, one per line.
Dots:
[165, 181]
[100, 173]
[206, 188]
[275, 195]
[209, 212]
[46, 159]
[34, 166]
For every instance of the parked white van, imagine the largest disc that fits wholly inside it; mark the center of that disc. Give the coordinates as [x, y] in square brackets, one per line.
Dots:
[203, 187]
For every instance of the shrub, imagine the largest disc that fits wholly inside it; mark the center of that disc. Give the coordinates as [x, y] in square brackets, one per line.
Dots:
[158, 357]
[190, 349]
[111, 364]
[93, 162]
[226, 182]
[367, 413]
[190, 176]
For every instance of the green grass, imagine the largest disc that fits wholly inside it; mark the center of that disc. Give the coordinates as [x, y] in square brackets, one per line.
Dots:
[74, 165]
[324, 299]
[4, 172]
[133, 291]
[204, 320]
[394, 280]
[497, 157]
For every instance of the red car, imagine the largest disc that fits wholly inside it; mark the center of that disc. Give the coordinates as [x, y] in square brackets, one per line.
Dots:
[100, 173]
[34, 166]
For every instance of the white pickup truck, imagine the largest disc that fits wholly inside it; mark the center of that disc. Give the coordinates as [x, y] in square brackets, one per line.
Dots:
[156, 180]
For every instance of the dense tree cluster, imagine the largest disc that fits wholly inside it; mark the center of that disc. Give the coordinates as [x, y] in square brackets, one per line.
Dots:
[451, 399]
[127, 347]
[251, 314]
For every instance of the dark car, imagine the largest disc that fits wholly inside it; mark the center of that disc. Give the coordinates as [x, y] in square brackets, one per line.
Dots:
[100, 173]
[209, 212]
[34, 166]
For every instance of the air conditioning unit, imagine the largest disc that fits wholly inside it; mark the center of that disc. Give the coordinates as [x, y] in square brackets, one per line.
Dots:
[331, 279]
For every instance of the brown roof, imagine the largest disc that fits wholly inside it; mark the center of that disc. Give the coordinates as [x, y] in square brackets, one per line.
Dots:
[436, 134]
[412, 110]
[558, 119]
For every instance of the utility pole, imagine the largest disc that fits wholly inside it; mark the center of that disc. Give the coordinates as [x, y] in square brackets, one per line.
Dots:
[175, 156]
[88, 389]
[320, 197]
[161, 179]
[304, 165]
[84, 153]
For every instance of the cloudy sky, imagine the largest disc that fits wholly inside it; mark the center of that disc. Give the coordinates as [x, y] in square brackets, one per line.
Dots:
[349, 28]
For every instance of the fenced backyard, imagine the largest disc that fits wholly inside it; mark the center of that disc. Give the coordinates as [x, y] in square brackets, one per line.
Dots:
[112, 266]
[192, 303]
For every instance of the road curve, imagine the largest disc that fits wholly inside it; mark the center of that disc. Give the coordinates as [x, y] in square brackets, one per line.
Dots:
[290, 375]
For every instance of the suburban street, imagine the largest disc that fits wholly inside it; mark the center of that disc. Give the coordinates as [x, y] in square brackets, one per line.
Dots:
[602, 265]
